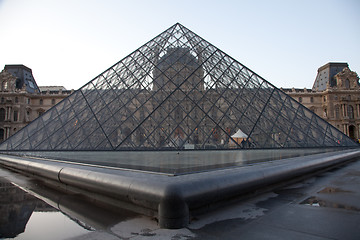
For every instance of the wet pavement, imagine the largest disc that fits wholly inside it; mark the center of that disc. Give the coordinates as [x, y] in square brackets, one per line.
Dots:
[322, 207]
[326, 206]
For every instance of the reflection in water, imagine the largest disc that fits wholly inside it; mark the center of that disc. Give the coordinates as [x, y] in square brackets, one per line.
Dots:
[31, 210]
[16, 207]
[23, 216]
[50, 225]
[318, 202]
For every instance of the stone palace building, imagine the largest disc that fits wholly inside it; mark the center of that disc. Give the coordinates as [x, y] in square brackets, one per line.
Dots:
[335, 97]
[22, 100]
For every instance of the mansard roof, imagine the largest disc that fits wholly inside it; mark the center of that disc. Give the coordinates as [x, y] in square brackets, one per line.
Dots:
[24, 77]
[325, 75]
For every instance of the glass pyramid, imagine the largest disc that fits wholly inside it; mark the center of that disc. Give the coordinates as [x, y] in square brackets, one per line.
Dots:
[177, 91]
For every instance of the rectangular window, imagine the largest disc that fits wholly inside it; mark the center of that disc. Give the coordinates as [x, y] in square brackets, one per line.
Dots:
[16, 116]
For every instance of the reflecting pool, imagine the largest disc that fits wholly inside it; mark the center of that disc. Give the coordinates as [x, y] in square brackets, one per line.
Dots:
[173, 162]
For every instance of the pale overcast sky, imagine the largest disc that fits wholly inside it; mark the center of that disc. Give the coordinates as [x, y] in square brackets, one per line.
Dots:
[70, 42]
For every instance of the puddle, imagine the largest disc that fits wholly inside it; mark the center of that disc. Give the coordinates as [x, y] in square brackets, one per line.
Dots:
[50, 225]
[333, 190]
[23, 216]
[312, 201]
[317, 202]
[31, 210]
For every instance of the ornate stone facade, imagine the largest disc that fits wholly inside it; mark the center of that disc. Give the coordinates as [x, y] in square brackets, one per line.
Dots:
[21, 100]
[335, 97]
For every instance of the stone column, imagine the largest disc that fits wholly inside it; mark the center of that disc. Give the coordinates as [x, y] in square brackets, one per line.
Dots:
[7, 134]
[6, 113]
[345, 129]
[9, 113]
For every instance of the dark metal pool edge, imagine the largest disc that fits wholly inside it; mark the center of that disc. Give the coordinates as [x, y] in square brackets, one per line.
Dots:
[175, 197]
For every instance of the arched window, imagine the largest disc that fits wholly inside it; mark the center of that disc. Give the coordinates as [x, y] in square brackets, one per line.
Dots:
[350, 112]
[337, 111]
[16, 114]
[311, 99]
[16, 99]
[41, 101]
[2, 114]
[28, 114]
[40, 112]
[352, 131]
[18, 83]
[2, 135]
[300, 99]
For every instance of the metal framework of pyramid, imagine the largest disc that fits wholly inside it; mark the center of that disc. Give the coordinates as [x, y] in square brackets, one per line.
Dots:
[177, 91]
